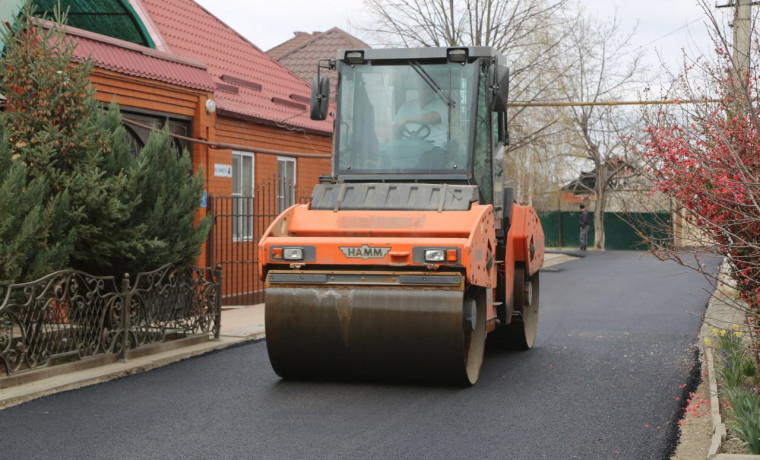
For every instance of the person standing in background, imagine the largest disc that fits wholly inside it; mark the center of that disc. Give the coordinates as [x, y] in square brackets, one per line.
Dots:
[584, 227]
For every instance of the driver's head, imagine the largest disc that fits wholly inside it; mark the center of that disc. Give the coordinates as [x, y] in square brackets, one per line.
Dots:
[425, 93]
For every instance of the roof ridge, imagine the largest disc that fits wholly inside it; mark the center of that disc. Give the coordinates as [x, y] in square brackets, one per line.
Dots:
[227, 26]
[311, 39]
[150, 26]
[319, 36]
[275, 61]
[163, 55]
[298, 37]
[352, 37]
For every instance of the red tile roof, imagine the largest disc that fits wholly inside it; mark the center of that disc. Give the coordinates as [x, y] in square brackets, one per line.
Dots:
[301, 53]
[250, 84]
[131, 59]
[285, 47]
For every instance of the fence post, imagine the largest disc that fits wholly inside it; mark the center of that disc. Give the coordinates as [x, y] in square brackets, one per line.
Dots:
[126, 300]
[218, 306]
[210, 241]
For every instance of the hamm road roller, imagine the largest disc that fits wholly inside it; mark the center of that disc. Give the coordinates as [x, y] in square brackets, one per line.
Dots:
[412, 251]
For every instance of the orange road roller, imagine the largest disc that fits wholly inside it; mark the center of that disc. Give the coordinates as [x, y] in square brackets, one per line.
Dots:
[412, 251]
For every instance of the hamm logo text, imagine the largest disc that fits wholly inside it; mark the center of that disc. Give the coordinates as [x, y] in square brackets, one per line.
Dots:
[364, 252]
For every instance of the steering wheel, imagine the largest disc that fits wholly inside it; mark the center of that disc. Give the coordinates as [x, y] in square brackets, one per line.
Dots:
[420, 133]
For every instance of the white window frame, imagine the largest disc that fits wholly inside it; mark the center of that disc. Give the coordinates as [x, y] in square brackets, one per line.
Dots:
[242, 201]
[284, 202]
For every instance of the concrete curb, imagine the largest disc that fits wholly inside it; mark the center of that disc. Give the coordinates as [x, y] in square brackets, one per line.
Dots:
[15, 395]
[719, 428]
[720, 315]
[735, 457]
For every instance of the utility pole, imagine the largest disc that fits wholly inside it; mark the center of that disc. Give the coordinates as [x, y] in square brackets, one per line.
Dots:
[740, 56]
[742, 39]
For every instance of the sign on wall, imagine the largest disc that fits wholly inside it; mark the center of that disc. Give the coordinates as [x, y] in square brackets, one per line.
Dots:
[222, 170]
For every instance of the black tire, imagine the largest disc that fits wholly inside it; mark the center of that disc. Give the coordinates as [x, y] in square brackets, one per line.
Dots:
[521, 332]
[474, 325]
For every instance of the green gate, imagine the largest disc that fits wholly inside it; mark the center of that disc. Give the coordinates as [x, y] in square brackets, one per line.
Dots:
[561, 229]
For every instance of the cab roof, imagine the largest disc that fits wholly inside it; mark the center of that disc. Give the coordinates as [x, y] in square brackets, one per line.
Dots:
[390, 54]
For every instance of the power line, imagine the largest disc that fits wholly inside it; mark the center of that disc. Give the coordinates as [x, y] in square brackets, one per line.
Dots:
[669, 33]
[612, 103]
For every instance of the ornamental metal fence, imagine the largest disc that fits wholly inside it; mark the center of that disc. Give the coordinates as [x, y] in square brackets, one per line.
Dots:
[72, 317]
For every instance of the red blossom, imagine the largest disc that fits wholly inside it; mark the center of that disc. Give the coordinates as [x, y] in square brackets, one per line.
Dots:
[711, 167]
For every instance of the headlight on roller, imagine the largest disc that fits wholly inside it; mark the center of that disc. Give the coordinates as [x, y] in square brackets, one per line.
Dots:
[435, 255]
[292, 253]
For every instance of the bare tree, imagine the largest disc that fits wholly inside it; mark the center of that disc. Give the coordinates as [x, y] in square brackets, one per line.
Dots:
[555, 53]
[498, 23]
[603, 70]
[530, 33]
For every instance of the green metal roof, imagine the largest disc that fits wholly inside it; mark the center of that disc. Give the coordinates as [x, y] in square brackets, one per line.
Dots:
[113, 18]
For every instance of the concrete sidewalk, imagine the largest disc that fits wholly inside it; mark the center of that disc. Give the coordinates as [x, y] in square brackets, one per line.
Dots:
[239, 325]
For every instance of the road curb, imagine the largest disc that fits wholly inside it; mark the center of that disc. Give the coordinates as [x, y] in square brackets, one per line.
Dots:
[16, 395]
[719, 315]
[719, 428]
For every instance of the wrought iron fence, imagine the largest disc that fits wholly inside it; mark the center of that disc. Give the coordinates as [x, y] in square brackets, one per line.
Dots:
[72, 316]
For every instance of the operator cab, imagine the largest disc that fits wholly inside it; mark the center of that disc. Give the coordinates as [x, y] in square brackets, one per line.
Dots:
[381, 88]
[372, 131]
[430, 115]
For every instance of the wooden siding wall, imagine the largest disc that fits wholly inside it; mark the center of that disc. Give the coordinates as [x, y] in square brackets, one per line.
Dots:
[146, 94]
[308, 170]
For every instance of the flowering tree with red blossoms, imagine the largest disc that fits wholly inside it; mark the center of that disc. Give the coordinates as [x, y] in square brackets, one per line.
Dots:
[705, 156]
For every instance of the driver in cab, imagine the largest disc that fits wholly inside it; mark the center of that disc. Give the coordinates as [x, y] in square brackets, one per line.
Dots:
[424, 117]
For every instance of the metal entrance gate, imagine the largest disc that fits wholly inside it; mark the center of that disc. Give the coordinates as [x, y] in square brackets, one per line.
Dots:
[238, 223]
[623, 232]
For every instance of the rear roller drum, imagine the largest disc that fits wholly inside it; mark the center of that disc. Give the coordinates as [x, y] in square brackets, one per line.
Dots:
[474, 326]
[521, 332]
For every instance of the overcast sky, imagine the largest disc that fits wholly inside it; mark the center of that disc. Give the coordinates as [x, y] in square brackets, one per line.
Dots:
[664, 26]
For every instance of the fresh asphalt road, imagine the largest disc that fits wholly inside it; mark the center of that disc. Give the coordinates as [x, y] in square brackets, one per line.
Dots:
[606, 379]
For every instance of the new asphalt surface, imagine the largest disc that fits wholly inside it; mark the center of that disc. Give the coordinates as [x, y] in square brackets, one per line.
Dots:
[614, 357]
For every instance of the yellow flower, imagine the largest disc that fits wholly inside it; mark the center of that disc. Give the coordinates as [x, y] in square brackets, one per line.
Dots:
[736, 327]
[738, 333]
[715, 331]
[708, 341]
[722, 333]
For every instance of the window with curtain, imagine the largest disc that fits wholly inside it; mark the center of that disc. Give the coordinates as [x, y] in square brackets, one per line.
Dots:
[286, 183]
[242, 193]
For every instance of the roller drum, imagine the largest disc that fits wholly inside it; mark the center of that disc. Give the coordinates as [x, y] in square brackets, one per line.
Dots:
[371, 332]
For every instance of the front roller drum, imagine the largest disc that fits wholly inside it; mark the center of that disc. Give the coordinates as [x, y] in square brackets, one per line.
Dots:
[376, 333]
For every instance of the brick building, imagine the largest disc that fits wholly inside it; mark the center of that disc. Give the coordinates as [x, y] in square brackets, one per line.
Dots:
[243, 116]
